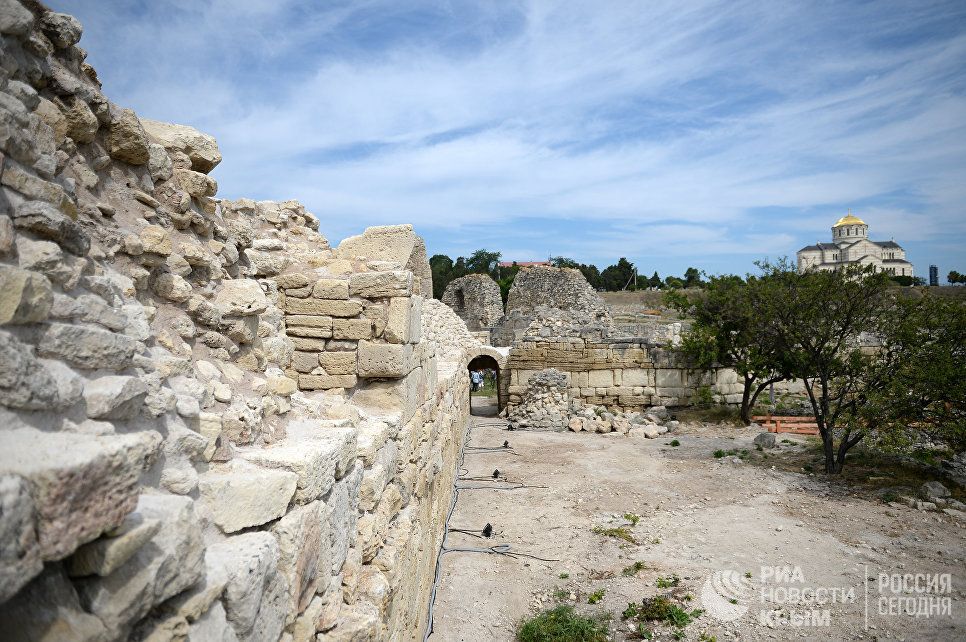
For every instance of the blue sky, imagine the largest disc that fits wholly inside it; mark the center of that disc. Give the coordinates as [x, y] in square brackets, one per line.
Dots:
[709, 133]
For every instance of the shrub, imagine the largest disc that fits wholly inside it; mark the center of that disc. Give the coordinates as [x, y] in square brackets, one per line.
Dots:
[563, 624]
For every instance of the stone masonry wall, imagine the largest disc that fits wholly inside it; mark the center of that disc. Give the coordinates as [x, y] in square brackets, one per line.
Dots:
[214, 426]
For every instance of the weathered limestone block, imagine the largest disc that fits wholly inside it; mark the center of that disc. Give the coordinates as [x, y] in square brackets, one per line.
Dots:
[308, 321]
[155, 239]
[331, 289]
[81, 122]
[256, 593]
[62, 29]
[15, 19]
[313, 460]
[669, 378]
[20, 557]
[200, 148]
[86, 347]
[159, 163]
[394, 243]
[170, 563]
[241, 495]
[304, 550]
[25, 297]
[240, 297]
[80, 484]
[402, 396]
[24, 381]
[384, 359]
[292, 280]
[337, 363]
[380, 285]
[212, 627]
[49, 221]
[342, 511]
[351, 329]
[375, 477]
[326, 382]
[404, 320]
[114, 397]
[600, 378]
[104, 555]
[195, 183]
[323, 307]
[127, 141]
[266, 263]
[309, 332]
[172, 287]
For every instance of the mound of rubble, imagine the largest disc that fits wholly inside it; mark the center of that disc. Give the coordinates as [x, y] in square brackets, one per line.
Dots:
[548, 405]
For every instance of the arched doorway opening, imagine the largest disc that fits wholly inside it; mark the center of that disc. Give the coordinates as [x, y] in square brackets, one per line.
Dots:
[485, 399]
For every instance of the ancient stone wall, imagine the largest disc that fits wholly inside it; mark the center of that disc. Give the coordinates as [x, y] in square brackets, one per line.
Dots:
[214, 426]
[476, 299]
[545, 287]
[605, 368]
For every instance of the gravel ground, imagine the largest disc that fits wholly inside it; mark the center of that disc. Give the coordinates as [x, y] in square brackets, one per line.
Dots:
[708, 522]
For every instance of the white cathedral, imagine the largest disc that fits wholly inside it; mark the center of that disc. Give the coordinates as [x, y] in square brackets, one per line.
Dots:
[851, 245]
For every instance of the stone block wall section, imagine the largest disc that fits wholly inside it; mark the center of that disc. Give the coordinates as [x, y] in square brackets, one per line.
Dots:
[626, 374]
[214, 425]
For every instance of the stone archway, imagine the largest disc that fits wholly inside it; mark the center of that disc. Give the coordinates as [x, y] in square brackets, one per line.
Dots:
[490, 358]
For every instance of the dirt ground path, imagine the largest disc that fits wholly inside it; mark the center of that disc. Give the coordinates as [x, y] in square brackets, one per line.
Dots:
[701, 519]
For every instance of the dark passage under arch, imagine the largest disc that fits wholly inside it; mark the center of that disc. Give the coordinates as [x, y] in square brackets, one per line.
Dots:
[486, 405]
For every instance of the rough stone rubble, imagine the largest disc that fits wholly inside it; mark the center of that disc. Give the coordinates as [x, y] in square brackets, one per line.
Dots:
[214, 426]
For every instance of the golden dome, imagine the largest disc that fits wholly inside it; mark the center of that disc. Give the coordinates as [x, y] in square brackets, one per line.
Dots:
[848, 219]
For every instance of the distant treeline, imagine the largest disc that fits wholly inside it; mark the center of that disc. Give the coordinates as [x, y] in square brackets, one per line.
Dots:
[620, 276]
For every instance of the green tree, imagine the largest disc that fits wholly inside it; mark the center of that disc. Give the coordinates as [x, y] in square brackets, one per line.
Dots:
[564, 262]
[729, 331]
[654, 281]
[442, 268]
[954, 277]
[816, 320]
[593, 276]
[919, 375]
[484, 262]
[692, 278]
[673, 282]
[617, 277]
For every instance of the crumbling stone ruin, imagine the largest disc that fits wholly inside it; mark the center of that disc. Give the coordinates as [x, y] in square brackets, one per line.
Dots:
[214, 425]
[476, 299]
[543, 286]
[547, 404]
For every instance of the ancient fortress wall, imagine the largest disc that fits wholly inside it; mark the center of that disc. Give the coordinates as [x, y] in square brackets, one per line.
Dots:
[213, 425]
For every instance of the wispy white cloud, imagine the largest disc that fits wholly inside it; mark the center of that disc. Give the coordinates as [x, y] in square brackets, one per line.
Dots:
[707, 133]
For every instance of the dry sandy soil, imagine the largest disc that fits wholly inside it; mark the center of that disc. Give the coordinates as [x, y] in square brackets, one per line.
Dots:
[698, 516]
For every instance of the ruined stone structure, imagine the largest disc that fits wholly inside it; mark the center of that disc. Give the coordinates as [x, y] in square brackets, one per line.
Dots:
[543, 286]
[476, 299]
[605, 368]
[214, 426]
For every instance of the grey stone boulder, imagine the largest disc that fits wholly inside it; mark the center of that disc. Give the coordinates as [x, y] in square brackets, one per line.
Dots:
[240, 298]
[933, 490]
[87, 347]
[127, 141]
[114, 397]
[104, 555]
[45, 220]
[256, 595]
[62, 29]
[25, 297]
[766, 440]
[24, 381]
[19, 551]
